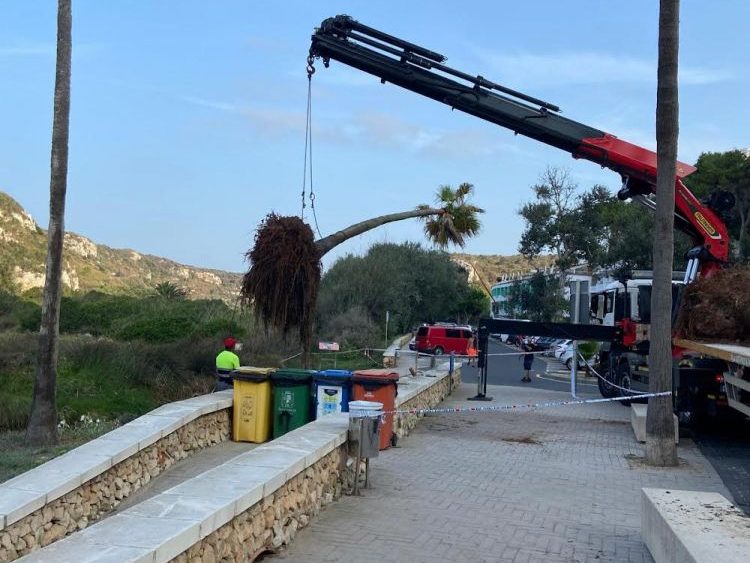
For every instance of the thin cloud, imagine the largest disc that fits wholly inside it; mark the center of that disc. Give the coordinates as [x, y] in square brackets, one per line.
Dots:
[587, 68]
[269, 120]
[28, 50]
[371, 129]
[47, 49]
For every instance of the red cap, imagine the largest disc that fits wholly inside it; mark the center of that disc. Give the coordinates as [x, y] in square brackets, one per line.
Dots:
[230, 342]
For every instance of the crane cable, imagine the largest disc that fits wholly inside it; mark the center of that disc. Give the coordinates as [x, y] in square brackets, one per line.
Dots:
[308, 150]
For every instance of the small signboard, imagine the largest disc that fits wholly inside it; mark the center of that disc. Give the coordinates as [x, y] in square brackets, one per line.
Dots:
[328, 346]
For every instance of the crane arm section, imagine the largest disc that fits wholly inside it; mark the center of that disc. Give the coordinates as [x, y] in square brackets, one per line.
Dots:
[423, 71]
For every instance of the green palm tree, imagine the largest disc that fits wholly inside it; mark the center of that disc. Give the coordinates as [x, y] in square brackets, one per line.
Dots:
[458, 219]
[282, 282]
[448, 222]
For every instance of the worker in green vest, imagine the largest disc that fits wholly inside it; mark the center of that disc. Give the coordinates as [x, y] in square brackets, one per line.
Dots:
[226, 362]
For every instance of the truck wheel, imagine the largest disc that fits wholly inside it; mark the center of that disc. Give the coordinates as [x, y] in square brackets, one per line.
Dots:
[606, 388]
[623, 380]
[438, 351]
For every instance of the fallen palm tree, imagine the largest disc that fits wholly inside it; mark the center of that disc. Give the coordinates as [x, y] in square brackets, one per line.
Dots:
[717, 308]
[282, 283]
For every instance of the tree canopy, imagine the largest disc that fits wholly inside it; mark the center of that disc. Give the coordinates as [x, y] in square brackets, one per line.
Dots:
[413, 283]
[727, 171]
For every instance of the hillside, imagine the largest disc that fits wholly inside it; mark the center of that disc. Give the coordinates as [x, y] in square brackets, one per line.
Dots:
[493, 266]
[89, 266]
[94, 267]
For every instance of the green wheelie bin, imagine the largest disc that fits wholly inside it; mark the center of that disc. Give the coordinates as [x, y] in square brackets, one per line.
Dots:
[292, 399]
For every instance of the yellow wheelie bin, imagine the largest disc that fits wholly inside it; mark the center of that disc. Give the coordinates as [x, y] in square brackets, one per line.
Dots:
[251, 421]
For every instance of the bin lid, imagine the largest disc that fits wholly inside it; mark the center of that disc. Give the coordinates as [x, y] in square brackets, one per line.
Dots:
[252, 373]
[383, 376]
[333, 376]
[364, 408]
[289, 375]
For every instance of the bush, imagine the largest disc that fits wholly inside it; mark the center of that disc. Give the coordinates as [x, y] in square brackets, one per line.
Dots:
[351, 329]
[18, 314]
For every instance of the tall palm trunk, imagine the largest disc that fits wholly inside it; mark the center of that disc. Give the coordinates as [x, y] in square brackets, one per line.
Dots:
[42, 428]
[331, 241]
[660, 446]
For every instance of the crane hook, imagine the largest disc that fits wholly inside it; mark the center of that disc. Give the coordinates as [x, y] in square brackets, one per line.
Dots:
[310, 66]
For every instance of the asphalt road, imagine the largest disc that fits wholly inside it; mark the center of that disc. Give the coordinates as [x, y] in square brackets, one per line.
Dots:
[508, 370]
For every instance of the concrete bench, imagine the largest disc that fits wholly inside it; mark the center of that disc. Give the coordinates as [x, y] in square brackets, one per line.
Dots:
[638, 421]
[693, 527]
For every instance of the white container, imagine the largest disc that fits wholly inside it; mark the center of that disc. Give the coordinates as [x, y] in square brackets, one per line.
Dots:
[365, 409]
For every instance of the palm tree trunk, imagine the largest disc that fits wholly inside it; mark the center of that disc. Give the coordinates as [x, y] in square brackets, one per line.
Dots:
[660, 447]
[42, 428]
[331, 241]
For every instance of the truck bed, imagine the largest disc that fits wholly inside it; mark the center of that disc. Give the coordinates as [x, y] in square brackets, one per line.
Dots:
[733, 354]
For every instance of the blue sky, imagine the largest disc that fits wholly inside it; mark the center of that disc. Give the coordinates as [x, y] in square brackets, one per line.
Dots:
[187, 122]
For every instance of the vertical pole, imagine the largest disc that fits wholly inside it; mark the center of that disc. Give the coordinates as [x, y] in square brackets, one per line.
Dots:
[481, 395]
[387, 318]
[359, 457]
[576, 318]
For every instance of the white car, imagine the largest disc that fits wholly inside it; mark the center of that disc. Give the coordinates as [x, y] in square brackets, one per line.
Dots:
[562, 347]
[567, 358]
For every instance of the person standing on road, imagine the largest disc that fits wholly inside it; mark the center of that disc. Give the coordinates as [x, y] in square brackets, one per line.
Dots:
[226, 362]
[528, 361]
[472, 349]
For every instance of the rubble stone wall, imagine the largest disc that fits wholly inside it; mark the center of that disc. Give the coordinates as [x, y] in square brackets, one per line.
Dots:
[86, 504]
[427, 399]
[273, 522]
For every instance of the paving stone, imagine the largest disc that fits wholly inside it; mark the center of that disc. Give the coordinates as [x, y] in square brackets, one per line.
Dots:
[545, 485]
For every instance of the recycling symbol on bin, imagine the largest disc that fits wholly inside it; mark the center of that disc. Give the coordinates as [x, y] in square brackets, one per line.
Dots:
[287, 399]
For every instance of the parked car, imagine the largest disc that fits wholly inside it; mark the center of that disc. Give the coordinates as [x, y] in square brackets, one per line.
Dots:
[562, 347]
[550, 352]
[439, 340]
[544, 343]
[567, 358]
[413, 343]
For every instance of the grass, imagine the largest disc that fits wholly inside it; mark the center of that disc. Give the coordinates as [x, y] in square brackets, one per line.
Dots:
[17, 456]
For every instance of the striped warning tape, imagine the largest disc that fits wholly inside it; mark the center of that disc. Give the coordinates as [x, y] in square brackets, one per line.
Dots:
[519, 406]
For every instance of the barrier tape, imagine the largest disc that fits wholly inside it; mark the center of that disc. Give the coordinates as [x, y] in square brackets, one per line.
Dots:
[607, 381]
[516, 407]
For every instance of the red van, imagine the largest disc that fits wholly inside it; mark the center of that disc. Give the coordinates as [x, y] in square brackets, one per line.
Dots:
[443, 339]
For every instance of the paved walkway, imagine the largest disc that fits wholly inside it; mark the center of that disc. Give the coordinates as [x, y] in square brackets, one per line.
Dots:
[551, 485]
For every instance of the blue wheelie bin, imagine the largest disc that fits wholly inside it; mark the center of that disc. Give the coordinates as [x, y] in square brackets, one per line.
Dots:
[332, 391]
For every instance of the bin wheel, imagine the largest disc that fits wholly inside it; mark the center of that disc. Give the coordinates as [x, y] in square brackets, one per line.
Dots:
[438, 351]
[394, 440]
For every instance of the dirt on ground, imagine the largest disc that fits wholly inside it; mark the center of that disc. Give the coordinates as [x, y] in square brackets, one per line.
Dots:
[717, 307]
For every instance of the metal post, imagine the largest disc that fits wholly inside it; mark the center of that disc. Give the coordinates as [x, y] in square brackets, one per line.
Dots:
[451, 366]
[359, 457]
[484, 339]
[576, 318]
[387, 318]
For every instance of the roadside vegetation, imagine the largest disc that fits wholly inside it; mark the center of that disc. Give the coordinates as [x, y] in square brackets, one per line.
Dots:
[121, 356]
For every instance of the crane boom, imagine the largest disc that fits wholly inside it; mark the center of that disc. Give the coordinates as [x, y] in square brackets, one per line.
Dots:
[423, 71]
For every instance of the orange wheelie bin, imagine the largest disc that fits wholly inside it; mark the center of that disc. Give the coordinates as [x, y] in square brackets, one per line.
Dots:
[379, 385]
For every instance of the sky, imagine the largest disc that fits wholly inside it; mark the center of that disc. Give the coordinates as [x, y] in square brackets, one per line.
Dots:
[188, 118]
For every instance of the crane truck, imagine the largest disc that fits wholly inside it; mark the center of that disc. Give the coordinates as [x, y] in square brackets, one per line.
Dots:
[421, 70]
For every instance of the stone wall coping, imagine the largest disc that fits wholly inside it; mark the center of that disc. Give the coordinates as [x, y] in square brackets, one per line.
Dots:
[397, 344]
[162, 527]
[693, 526]
[411, 386]
[38, 487]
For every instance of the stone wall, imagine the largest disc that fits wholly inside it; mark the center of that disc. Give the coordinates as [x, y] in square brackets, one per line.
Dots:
[86, 504]
[427, 399]
[273, 522]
